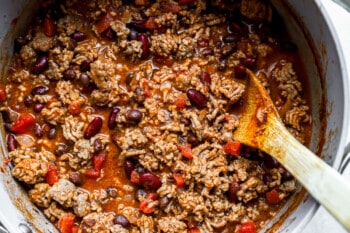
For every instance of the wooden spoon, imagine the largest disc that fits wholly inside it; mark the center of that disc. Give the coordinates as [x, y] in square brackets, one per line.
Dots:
[261, 127]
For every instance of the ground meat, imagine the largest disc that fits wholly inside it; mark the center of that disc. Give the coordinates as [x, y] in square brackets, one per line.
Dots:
[73, 128]
[28, 55]
[68, 94]
[54, 212]
[38, 195]
[256, 9]
[58, 62]
[103, 74]
[99, 222]
[54, 113]
[30, 171]
[171, 225]
[42, 43]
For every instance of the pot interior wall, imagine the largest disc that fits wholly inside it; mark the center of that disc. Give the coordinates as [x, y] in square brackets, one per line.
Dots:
[318, 43]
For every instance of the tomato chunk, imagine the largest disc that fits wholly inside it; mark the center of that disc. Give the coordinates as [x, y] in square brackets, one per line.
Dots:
[194, 230]
[272, 197]
[52, 175]
[247, 227]
[180, 102]
[92, 173]
[3, 94]
[66, 223]
[179, 180]
[98, 160]
[135, 177]
[186, 150]
[23, 123]
[233, 148]
[144, 204]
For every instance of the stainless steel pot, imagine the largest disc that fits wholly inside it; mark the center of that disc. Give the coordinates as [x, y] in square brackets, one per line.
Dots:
[310, 28]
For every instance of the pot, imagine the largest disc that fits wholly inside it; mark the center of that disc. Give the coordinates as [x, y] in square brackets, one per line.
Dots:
[309, 27]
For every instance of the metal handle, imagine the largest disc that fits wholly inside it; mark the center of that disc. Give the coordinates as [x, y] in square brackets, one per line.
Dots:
[3, 229]
[343, 3]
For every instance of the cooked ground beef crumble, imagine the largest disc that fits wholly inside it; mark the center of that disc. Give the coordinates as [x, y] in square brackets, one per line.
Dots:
[120, 114]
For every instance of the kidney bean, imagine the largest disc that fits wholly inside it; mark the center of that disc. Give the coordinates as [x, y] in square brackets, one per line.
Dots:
[49, 27]
[97, 145]
[140, 194]
[76, 178]
[196, 98]
[69, 74]
[79, 36]
[145, 45]
[150, 180]
[61, 149]
[270, 162]
[40, 90]
[28, 101]
[248, 61]
[85, 65]
[286, 175]
[128, 168]
[164, 201]
[93, 128]
[112, 191]
[38, 131]
[41, 64]
[11, 143]
[112, 117]
[191, 139]
[205, 78]
[38, 107]
[185, 121]
[134, 115]
[234, 187]
[121, 220]
[207, 51]
[52, 133]
[240, 71]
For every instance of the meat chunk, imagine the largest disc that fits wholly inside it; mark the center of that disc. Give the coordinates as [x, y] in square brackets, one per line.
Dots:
[100, 222]
[73, 128]
[30, 171]
[54, 113]
[171, 225]
[68, 94]
[62, 192]
[38, 195]
[59, 61]
[42, 43]
[103, 73]
[256, 10]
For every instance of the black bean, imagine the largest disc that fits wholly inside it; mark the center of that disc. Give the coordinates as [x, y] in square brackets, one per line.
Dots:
[97, 145]
[150, 180]
[196, 98]
[41, 64]
[79, 36]
[76, 178]
[113, 117]
[52, 133]
[133, 35]
[38, 107]
[38, 131]
[40, 90]
[61, 149]
[140, 194]
[128, 167]
[85, 65]
[286, 175]
[191, 139]
[121, 220]
[112, 191]
[93, 128]
[185, 121]
[11, 143]
[134, 115]
[270, 162]
[207, 51]
[163, 202]
[84, 80]
[69, 74]
[28, 101]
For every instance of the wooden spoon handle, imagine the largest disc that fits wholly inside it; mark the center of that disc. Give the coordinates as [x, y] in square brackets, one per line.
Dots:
[324, 183]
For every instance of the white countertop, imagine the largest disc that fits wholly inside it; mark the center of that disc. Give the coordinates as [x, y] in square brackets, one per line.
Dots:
[323, 222]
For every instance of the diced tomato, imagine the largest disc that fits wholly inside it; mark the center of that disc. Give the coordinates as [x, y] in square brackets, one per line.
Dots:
[144, 204]
[98, 160]
[66, 223]
[52, 175]
[233, 148]
[194, 230]
[180, 102]
[151, 23]
[3, 94]
[23, 123]
[75, 229]
[135, 177]
[74, 108]
[186, 150]
[272, 197]
[228, 117]
[247, 227]
[104, 23]
[179, 180]
[92, 173]
[184, 2]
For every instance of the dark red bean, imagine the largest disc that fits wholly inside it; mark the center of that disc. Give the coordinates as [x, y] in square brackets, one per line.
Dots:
[134, 115]
[205, 78]
[112, 117]
[270, 162]
[79, 36]
[93, 128]
[85, 65]
[76, 178]
[164, 201]
[41, 64]
[28, 101]
[185, 121]
[150, 181]
[49, 27]
[121, 220]
[196, 98]
[38, 131]
[140, 194]
[52, 133]
[61, 149]
[38, 107]
[97, 145]
[40, 90]
[234, 187]
[128, 168]
[240, 71]
[112, 191]
[191, 139]
[207, 51]
[11, 143]
[69, 74]
[248, 62]
[286, 175]
[145, 45]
